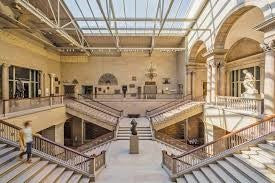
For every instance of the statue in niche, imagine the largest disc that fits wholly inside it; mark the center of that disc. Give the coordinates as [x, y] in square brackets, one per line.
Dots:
[249, 84]
[134, 126]
[19, 89]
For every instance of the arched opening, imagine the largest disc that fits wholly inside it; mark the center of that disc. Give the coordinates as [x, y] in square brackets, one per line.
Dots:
[196, 71]
[237, 37]
[107, 79]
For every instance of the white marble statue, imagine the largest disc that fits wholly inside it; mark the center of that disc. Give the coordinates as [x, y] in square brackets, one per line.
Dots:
[249, 84]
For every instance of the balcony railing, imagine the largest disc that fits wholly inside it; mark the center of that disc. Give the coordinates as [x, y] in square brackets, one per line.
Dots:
[90, 100]
[66, 156]
[177, 165]
[137, 96]
[241, 104]
[16, 105]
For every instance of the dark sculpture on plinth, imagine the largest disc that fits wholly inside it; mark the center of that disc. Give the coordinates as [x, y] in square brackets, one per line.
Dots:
[19, 89]
[134, 126]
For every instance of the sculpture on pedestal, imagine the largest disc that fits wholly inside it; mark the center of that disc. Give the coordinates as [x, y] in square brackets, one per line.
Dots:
[134, 126]
[249, 84]
[19, 89]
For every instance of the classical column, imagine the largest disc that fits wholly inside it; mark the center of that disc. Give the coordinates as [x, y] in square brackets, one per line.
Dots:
[213, 81]
[52, 76]
[269, 81]
[222, 80]
[42, 94]
[208, 97]
[5, 86]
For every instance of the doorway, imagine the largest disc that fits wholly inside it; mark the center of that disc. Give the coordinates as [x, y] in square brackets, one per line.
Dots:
[26, 91]
[69, 90]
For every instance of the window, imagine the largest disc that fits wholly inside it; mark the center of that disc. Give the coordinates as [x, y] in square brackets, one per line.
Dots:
[237, 78]
[29, 78]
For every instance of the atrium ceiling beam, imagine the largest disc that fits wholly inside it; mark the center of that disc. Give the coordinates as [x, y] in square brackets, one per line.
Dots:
[138, 19]
[154, 30]
[36, 12]
[166, 15]
[108, 25]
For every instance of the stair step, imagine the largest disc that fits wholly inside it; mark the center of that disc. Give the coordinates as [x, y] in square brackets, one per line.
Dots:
[234, 172]
[267, 147]
[19, 169]
[30, 172]
[2, 146]
[261, 168]
[65, 177]
[271, 142]
[84, 180]
[221, 173]
[139, 135]
[139, 132]
[54, 175]
[9, 157]
[43, 173]
[181, 180]
[265, 153]
[200, 176]
[75, 178]
[140, 138]
[9, 166]
[190, 178]
[249, 172]
[210, 175]
[5, 151]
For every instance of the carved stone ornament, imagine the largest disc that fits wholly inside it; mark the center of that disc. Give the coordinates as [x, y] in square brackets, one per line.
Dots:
[268, 46]
[249, 84]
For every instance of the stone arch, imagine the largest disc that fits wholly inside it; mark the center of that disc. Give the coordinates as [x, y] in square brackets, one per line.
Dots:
[197, 50]
[244, 47]
[107, 79]
[229, 21]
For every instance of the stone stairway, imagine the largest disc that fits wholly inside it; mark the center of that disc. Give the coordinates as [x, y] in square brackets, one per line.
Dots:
[97, 150]
[144, 133]
[13, 170]
[256, 164]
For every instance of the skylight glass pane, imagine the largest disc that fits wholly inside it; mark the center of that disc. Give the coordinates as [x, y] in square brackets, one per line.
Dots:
[118, 8]
[141, 8]
[130, 8]
[73, 8]
[152, 8]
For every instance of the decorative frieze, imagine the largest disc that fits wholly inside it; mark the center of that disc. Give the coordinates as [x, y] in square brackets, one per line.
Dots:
[74, 59]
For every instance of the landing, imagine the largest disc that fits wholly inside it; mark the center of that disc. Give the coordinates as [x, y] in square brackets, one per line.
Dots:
[141, 122]
[125, 168]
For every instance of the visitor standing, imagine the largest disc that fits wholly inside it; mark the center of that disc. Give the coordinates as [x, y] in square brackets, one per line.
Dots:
[26, 139]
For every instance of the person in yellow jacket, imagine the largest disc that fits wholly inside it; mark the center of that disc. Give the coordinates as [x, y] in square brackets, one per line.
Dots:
[25, 140]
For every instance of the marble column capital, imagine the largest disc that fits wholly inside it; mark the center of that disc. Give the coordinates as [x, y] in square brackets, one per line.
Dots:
[267, 47]
[52, 75]
[5, 65]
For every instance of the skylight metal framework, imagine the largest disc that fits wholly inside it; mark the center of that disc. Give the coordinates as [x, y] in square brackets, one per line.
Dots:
[81, 43]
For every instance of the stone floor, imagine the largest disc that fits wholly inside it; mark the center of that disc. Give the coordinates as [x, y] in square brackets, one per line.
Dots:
[123, 167]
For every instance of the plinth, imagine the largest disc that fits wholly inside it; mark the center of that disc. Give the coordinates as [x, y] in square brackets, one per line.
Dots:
[134, 149]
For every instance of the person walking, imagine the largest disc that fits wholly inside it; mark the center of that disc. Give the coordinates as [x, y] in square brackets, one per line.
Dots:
[25, 141]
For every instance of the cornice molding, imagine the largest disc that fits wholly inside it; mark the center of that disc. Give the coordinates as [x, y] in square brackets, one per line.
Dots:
[266, 26]
[19, 42]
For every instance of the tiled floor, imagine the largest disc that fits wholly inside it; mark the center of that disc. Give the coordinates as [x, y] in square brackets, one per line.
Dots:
[123, 167]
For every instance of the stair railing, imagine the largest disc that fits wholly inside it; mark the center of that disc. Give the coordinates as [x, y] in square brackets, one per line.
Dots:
[169, 105]
[176, 165]
[96, 142]
[102, 105]
[66, 156]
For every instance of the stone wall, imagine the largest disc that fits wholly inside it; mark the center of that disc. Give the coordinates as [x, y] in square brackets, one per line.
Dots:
[176, 131]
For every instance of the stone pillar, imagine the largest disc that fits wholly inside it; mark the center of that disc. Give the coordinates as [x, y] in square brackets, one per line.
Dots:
[222, 80]
[77, 131]
[5, 86]
[228, 83]
[269, 80]
[208, 96]
[59, 133]
[52, 76]
[214, 58]
[42, 94]
[213, 81]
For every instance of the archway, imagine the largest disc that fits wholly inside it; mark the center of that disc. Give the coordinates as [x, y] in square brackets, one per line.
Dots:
[107, 79]
[196, 70]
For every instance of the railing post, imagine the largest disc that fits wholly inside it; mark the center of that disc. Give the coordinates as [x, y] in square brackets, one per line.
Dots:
[92, 166]
[51, 101]
[104, 157]
[163, 158]
[174, 165]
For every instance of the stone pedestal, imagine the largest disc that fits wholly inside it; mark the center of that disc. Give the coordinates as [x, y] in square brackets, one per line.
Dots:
[134, 145]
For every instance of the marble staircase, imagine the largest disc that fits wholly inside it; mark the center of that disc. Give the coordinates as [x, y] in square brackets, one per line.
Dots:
[255, 164]
[14, 170]
[144, 133]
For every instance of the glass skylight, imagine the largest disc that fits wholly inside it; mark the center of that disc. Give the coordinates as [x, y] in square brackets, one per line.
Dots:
[132, 16]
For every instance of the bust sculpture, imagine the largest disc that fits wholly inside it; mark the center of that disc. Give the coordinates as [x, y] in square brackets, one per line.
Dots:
[249, 84]
[133, 128]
